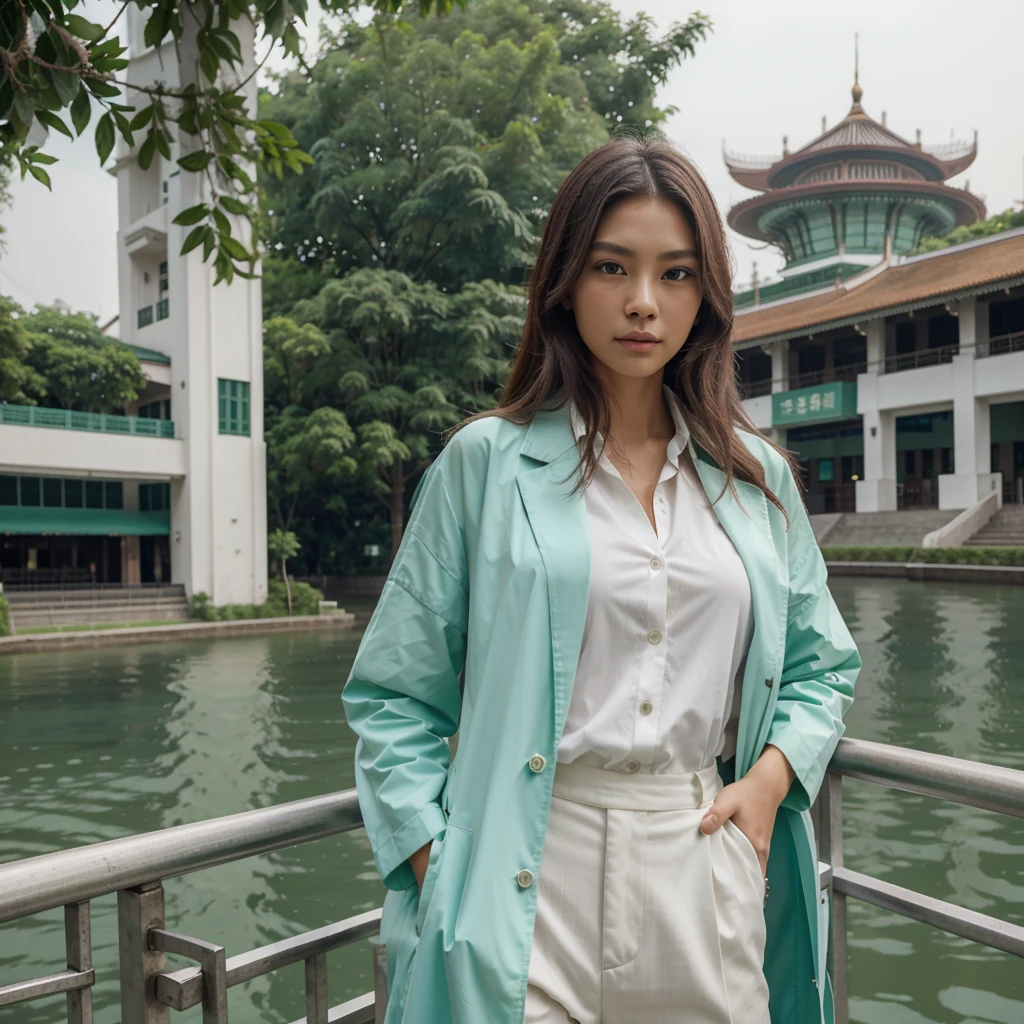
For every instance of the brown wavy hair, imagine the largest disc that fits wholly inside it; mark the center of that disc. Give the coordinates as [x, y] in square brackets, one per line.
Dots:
[552, 358]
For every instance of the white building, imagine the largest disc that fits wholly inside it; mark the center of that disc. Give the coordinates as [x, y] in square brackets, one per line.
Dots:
[176, 489]
[900, 387]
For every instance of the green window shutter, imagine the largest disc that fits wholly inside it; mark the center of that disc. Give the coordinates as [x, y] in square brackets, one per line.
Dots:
[233, 406]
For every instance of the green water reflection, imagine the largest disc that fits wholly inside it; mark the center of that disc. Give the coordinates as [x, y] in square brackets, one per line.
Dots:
[98, 744]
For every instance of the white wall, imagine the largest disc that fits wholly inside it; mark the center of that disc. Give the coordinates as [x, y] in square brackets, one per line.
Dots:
[53, 452]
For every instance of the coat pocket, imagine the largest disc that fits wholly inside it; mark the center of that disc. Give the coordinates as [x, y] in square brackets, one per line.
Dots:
[429, 878]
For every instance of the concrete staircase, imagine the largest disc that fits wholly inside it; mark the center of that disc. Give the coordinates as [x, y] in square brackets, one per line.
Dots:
[93, 606]
[884, 529]
[1004, 530]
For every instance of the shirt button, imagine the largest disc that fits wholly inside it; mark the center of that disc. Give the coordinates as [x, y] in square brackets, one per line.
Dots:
[655, 563]
[654, 636]
[538, 762]
[631, 766]
[769, 682]
[646, 708]
[525, 878]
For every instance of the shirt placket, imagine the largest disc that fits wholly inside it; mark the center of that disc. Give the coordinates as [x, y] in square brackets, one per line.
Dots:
[647, 710]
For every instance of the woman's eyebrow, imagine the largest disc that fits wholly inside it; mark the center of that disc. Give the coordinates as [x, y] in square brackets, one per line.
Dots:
[621, 250]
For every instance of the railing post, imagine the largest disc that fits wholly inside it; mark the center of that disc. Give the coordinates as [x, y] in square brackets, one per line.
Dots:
[78, 940]
[138, 911]
[380, 983]
[830, 844]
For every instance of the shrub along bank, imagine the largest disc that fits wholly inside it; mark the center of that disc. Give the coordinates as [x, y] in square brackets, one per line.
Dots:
[5, 617]
[929, 556]
[305, 601]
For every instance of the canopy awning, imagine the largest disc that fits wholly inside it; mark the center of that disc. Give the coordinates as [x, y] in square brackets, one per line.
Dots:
[102, 522]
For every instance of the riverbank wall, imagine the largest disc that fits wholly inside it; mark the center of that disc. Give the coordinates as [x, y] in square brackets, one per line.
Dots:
[30, 642]
[921, 572]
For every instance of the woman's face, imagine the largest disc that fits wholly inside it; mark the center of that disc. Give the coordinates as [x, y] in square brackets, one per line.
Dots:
[641, 275]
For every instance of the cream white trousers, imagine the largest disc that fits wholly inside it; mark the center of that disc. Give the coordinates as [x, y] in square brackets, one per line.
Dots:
[642, 919]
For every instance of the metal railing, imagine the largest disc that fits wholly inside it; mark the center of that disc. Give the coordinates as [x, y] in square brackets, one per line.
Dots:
[1000, 345]
[911, 771]
[136, 866]
[923, 357]
[69, 419]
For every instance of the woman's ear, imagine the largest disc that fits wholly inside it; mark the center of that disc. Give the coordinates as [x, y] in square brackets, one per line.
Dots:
[566, 304]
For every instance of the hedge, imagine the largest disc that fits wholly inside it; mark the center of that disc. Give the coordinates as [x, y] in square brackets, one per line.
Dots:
[930, 556]
[5, 617]
[305, 601]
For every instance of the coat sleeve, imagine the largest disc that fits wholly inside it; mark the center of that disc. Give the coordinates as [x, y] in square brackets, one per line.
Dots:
[402, 695]
[820, 661]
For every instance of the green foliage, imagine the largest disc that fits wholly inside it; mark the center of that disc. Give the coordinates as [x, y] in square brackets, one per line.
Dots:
[439, 148]
[980, 229]
[78, 365]
[305, 601]
[199, 607]
[5, 616]
[19, 383]
[394, 294]
[932, 556]
[57, 66]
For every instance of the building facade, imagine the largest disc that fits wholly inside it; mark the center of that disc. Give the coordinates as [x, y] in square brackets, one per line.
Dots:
[897, 379]
[175, 489]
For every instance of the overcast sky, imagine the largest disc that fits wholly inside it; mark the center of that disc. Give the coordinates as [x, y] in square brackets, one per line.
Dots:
[767, 70]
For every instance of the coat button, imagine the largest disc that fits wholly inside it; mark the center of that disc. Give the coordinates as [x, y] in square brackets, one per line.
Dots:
[768, 682]
[646, 708]
[654, 636]
[631, 766]
[655, 563]
[538, 762]
[525, 878]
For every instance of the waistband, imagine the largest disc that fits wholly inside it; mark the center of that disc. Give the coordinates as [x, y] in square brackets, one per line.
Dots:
[585, 784]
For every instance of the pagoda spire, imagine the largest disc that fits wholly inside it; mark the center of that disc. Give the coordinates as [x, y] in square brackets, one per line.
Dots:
[857, 91]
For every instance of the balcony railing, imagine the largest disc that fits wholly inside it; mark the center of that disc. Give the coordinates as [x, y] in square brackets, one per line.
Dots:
[135, 867]
[916, 360]
[1001, 345]
[67, 419]
[145, 316]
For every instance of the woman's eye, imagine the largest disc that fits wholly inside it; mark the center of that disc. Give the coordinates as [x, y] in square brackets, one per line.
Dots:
[683, 273]
[603, 267]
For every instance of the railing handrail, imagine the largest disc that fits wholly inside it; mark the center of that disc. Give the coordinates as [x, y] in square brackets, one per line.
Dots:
[51, 880]
[936, 775]
[35, 884]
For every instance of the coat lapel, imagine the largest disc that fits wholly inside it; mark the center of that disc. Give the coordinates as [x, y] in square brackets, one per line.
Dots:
[562, 532]
[561, 529]
[747, 525]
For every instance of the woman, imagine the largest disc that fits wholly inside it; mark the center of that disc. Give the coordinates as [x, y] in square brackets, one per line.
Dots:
[610, 588]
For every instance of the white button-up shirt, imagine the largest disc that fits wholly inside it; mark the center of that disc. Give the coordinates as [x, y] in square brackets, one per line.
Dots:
[668, 624]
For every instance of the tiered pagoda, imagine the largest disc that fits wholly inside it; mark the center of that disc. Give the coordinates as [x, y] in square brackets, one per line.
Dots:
[847, 200]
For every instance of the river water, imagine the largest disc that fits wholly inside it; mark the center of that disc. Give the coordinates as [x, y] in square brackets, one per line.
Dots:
[102, 743]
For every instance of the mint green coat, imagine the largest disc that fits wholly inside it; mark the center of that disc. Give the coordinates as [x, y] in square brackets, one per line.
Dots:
[478, 629]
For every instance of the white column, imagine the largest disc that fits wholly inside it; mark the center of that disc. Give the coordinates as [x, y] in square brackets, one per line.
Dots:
[877, 491]
[875, 338]
[972, 435]
[779, 351]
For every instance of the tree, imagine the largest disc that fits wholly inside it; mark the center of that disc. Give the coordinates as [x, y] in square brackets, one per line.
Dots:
[283, 545]
[439, 148]
[78, 366]
[56, 66]
[19, 382]
[1004, 221]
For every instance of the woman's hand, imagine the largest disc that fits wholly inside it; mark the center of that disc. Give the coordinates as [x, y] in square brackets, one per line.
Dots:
[418, 863]
[753, 802]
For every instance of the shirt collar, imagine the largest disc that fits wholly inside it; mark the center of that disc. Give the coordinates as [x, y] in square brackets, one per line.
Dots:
[676, 445]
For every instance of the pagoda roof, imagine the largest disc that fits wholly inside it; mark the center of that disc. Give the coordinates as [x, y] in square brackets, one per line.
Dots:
[859, 132]
[972, 268]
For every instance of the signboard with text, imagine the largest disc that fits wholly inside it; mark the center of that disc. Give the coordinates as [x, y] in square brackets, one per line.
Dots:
[820, 404]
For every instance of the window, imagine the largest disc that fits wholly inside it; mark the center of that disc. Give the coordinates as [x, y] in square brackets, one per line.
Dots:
[114, 494]
[53, 493]
[74, 493]
[8, 490]
[94, 494]
[233, 406]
